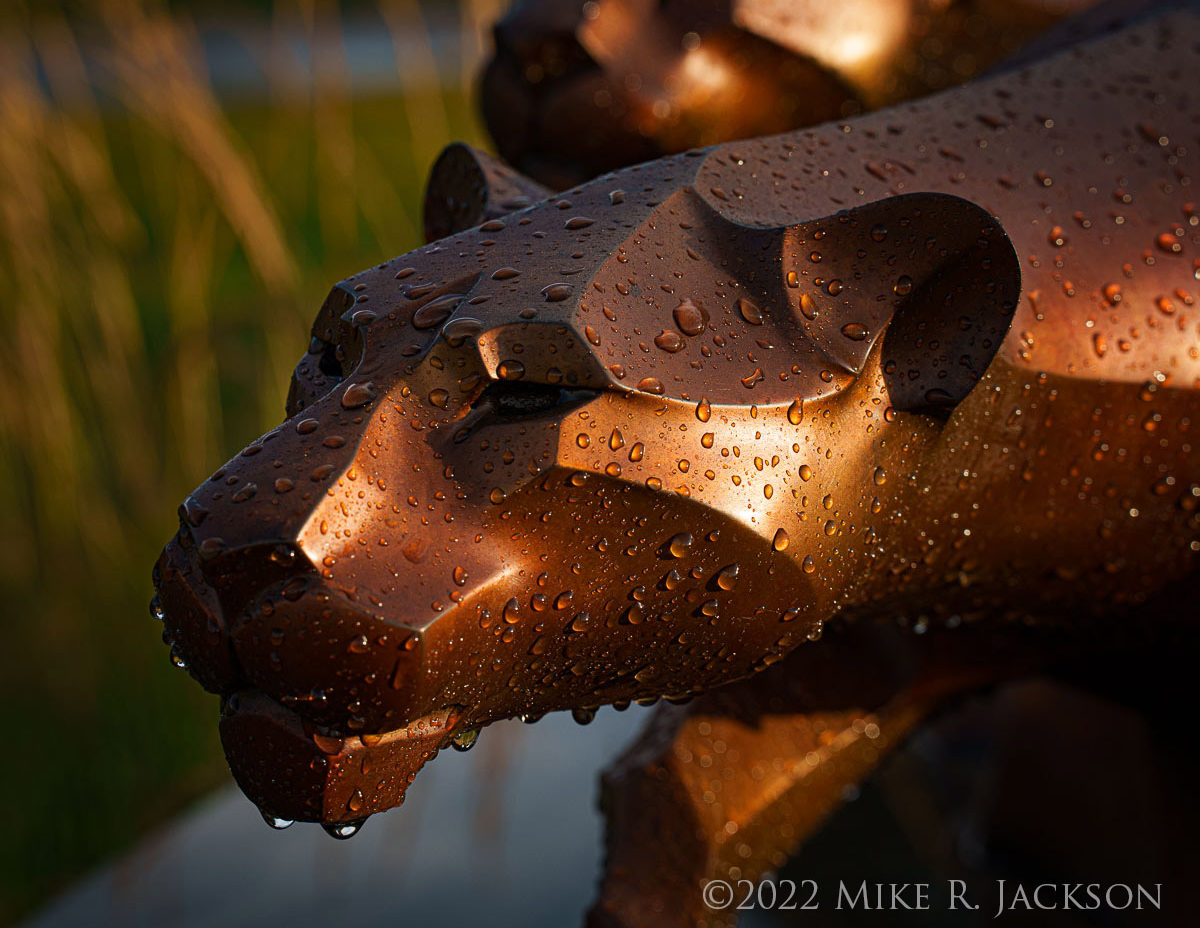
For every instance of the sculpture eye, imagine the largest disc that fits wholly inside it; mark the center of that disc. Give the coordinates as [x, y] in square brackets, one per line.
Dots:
[516, 400]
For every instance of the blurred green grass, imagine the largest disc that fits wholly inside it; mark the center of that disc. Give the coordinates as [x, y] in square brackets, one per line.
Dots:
[162, 254]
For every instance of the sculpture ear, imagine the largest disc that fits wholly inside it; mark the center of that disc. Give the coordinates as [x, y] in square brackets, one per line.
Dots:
[933, 278]
[467, 187]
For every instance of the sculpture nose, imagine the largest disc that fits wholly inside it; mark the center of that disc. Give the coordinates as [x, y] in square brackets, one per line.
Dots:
[239, 531]
[200, 590]
[193, 620]
[243, 533]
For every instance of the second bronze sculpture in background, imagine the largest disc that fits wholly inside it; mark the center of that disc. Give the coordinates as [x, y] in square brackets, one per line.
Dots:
[577, 89]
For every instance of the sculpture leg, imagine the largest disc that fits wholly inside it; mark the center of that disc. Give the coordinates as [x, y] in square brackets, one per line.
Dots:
[727, 786]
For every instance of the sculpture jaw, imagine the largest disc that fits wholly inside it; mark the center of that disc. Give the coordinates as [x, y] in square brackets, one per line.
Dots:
[294, 772]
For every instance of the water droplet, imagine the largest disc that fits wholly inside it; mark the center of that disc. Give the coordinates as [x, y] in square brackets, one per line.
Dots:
[703, 410]
[512, 611]
[556, 293]
[579, 222]
[727, 577]
[275, 821]
[878, 233]
[680, 544]
[343, 830]
[458, 330]
[754, 377]
[651, 385]
[903, 286]
[583, 716]
[510, 370]
[1169, 243]
[669, 341]
[358, 394]
[156, 609]
[211, 547]
[464, 739]
[795, 412]
[781, 540]
[435, 312]
[750, 311]
[690, 317]
[246, 492]
[855, 331]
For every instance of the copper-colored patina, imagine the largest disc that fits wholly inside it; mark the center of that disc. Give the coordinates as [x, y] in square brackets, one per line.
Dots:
[935, 367]
[576, 89]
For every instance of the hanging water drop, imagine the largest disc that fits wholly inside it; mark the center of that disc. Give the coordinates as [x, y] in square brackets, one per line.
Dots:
[279, 824]
[343, 830]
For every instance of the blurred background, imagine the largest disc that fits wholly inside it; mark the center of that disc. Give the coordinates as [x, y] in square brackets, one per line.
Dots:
[180, 185]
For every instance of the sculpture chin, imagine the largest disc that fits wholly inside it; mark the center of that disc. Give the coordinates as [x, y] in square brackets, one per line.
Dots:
[293, 771]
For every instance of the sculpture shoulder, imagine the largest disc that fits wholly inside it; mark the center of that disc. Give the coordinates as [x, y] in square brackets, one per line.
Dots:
[1087, 159]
